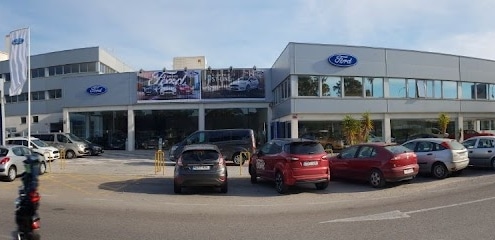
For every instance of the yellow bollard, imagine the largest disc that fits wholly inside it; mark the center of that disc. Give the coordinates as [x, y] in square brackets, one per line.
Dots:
[62, 158]
[159, 162]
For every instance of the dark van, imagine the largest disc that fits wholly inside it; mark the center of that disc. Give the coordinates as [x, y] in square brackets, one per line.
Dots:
[231, 142]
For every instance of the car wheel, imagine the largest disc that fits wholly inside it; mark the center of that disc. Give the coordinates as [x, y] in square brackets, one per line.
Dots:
[70, 154]
[225, 187]
[280, 185]
[177, 188]
[321, 185]
[42, 168]
[237, 159]
[439, 171]
[252, 172]
[376, 178]
[11, 173]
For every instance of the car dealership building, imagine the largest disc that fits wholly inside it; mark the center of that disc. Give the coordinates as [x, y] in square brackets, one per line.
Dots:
[309, 89]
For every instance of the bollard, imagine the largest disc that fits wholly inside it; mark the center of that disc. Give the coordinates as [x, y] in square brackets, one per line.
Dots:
[46, 154]
[62, 158]
[159, 162]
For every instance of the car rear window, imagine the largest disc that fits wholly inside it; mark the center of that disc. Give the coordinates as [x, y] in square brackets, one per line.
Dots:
[455, 145]
[199, 155]
[305, 148]
[397, 149]
[3, 152]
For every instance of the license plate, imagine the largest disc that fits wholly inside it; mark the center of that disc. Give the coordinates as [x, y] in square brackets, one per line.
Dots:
[201, 168]
[310, 163]
[407, 171]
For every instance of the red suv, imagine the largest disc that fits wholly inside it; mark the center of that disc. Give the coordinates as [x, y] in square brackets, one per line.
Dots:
[289, 162]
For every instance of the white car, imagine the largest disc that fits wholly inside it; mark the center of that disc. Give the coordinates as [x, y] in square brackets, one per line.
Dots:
[168, 89]
[244, 84]
[50, 153]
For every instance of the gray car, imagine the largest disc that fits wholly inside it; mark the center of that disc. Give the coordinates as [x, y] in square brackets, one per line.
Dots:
[200, 165]
[481, 151]
[11, 161]
[439, 156]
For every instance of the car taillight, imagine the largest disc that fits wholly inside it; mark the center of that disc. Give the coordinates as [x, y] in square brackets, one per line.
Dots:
[4, 160]
[36, 224]
[445, 144]
[179, 162]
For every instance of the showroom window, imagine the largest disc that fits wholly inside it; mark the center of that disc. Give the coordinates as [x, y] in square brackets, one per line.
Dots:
[353, 86]
[481, 91]
[433, 89]
[467, 90]
[491, 92]
[449, 89]
[397, 87]
[411, 88]
[331, 86]
[308, 86]
[373, 87]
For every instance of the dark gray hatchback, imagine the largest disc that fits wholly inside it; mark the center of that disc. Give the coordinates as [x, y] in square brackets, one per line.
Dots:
[200, 165]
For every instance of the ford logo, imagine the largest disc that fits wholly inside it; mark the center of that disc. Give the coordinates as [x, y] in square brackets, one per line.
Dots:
[17, 41]
[96, 90]
[342, 60]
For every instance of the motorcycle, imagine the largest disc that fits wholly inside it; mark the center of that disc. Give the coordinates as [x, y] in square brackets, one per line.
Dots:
[27, 203]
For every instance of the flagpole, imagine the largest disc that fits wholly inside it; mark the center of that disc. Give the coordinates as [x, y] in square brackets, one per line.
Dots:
[29, 83]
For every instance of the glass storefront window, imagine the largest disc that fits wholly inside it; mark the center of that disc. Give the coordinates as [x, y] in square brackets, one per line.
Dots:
[252, 118]
[397, 87]
[373, 87]
[449, 89]
[172, 126]
[331, 86]
[353, 86]
[467, 90]
[404, 129]
[491, 91]
[481, 91]
[308, 86]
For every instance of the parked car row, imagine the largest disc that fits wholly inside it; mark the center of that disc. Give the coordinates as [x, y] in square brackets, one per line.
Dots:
[12, 161]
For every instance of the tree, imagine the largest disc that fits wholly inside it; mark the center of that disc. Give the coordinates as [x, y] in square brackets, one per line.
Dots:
[443, 122]
[366, 126]
[351, 128]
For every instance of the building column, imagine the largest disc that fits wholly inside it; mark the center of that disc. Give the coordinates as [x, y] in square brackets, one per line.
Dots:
[201, 117]
[268, 129]
[65, 120]
[131, 130]
[386, 128]
[294, 128]
[459, 124]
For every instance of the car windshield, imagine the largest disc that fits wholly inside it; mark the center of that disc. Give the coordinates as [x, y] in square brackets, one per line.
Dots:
[199, 155]
[74, 137]
[397, 149]
[40, 143]
[306, 148]
[168, 85]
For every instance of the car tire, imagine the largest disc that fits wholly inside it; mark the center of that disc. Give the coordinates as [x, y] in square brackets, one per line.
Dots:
[177, 188]
[225, 187]
[321, 185]
[236, 158]
[439, 171]
[252, 172]
[280, 185]
[70, 154]
[42, 168]
[11, 173]
[376, 179]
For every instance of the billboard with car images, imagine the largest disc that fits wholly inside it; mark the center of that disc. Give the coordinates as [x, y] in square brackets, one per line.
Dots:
[233, 83]
[169, 85]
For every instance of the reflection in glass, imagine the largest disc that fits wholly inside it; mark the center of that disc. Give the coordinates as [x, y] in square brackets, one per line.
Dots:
[467, 90]
[308, 86]
[353, 86]
[449, 89]
[397, 87]
[331, 86]
[373, 87]
[411, 88]
[437, 86]
[481, 90]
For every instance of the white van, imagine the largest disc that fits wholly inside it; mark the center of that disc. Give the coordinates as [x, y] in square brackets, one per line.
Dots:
[50, 153]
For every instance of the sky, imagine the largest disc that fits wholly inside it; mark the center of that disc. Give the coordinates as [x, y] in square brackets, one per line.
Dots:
[148, 34]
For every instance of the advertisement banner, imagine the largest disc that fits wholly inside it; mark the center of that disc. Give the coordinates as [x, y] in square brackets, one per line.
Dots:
[169, 85]
[233, 83]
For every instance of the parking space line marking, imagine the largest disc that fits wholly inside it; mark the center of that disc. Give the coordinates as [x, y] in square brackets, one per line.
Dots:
[71, 186]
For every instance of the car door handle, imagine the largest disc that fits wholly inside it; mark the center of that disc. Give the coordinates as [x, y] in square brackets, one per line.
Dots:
[470, 151]
[489, 151]
[429, 154]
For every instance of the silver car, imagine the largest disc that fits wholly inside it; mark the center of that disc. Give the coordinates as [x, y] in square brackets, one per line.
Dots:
[11, 161]
[439, 156]
[481, 151]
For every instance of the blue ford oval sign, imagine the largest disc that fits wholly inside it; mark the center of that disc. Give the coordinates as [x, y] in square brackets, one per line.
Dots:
[17, 41]
[342, 60]
[96, 90]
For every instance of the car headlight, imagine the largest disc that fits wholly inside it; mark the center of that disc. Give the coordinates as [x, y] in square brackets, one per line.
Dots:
[82, 146]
